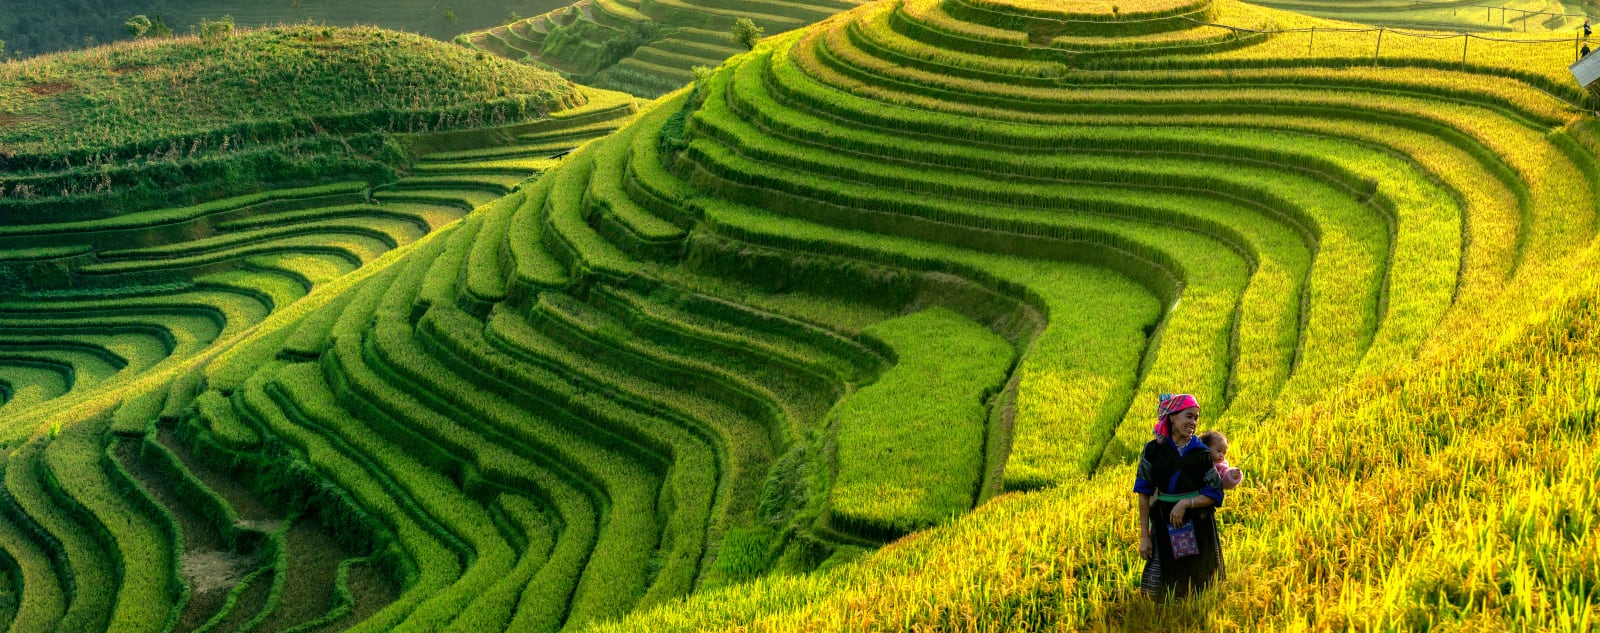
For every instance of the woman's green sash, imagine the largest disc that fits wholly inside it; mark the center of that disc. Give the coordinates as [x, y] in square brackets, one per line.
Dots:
[1176, 498]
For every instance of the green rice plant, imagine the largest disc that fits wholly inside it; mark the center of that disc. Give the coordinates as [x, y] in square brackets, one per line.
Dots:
[644, 235]
[310, 270]
[909, 445]
[185, 387]
[441, 283]
[542, 535]
[633, 46]
[437, 565]
[1328, 240]
[790, 394]
[1520, 148]
[391, 232]
[712, 52]
[270, 201]
[356, 244]
[168, 536]
[91, 588]
[138, 415]
[529, 265]
[219, 416]
[1077, 357]
[628, 484]
[1212, 303]
[521, 167]
[566, 233]
[743, 444]
[494, 460]
[467, 199]
[76, 369]
[1093, 18]
[29, 560]
[310, 337]
[274, 550]
[646, 180]
[695, 15]
[429, 494]
[835, 52]
[199, 497]
[1441, 16]
[401, 297]
[222, 307]
[703, 316]
[275, 290]
[492, 184]
[693, 476]
[485, 280]
[298, 216]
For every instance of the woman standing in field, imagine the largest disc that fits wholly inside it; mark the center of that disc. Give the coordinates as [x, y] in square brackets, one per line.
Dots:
[1180, 545]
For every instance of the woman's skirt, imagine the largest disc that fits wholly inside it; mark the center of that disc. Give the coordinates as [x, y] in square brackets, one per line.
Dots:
[1168, 576]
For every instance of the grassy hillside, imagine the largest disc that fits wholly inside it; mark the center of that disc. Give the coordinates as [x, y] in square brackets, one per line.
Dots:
[34, 27]
[643, 47]
[747, 361]
[1444, 15]
[136, 125]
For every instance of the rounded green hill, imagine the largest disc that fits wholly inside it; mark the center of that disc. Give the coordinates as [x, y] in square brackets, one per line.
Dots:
[767, 346]
[125, 97]
[166, 122]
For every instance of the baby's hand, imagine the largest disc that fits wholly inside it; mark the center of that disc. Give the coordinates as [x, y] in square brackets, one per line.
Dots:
[1231, 478]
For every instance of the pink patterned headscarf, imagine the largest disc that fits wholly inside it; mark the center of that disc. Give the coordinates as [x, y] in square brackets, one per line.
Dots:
[1171, 403]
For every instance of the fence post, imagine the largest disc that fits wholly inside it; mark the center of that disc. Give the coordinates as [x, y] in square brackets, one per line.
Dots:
[1464, 40]
[1378, 49]
[1313, 41]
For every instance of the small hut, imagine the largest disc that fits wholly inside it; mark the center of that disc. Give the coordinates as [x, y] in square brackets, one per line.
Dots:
[1587, 71]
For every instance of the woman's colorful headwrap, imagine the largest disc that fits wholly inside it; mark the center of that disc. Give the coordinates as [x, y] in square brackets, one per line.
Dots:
[1171, 403]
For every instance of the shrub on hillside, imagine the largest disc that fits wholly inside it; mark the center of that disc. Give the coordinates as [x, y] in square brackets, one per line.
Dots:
[216, 31]
[745, 33]
[138, 26]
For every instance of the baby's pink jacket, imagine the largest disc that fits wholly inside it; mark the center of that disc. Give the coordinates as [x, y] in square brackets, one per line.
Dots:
[1230, 476]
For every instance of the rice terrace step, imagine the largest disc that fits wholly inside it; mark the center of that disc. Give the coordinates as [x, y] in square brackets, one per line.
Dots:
[609, 319]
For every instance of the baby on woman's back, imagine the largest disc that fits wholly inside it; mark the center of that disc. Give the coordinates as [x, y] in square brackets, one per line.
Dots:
[1218, 443]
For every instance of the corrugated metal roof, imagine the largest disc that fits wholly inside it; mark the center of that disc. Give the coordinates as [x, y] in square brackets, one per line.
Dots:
[1586, 70]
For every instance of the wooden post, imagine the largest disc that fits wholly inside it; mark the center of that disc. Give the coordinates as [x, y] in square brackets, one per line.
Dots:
[1313, 41]
[1464, 39]
[1379, 48]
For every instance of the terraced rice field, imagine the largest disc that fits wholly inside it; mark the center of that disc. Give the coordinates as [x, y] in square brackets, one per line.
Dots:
[116, 324]
[1449, 15]
[668, 38]
[747, 362]
[105, 301]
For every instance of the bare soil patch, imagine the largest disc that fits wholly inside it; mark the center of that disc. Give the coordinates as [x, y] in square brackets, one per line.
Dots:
[212, 570]
[51, 88]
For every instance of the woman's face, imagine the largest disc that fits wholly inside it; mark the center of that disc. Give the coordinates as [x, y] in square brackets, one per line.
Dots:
[1185, 422]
